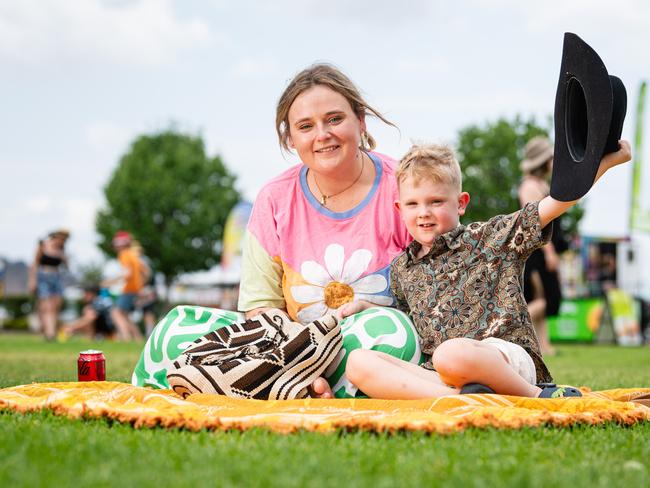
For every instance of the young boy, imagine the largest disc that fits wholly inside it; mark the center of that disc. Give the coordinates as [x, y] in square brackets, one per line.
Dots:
[461, 285]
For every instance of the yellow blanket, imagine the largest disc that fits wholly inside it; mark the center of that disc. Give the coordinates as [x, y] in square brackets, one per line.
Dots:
[146, 407]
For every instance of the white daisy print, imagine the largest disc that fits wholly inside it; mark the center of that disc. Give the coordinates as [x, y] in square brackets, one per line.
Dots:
[337, 283]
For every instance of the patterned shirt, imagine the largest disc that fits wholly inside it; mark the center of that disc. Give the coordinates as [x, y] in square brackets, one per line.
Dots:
[470, 283]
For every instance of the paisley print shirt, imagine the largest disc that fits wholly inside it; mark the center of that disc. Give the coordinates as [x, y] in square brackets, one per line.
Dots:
[470, 283]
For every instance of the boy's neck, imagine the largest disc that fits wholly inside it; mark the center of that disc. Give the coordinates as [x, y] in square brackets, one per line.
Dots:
[424, 250]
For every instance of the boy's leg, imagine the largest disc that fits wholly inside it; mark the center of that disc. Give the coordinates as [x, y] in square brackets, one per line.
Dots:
[461, 361]
[380, 375]
[379, 329]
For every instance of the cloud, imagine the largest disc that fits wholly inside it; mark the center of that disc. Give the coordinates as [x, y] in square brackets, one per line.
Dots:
[32, 217]
[37, 205]
[142, 33]
[428, 65]
[366, 12]
[624, 19]
[254, 67]
[108, 136]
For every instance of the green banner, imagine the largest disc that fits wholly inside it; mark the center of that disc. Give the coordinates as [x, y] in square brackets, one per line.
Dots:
[640, 205]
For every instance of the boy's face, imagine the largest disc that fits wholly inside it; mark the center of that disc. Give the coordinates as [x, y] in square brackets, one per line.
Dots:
[430, 209]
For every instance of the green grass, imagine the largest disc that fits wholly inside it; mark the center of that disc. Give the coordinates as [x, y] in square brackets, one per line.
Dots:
[43, 450]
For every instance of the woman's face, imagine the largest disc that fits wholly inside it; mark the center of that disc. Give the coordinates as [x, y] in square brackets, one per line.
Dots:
[59, 240]
[324, 130]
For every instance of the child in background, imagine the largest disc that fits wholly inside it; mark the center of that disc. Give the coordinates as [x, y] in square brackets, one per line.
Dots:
[462, 287]
[95, 320]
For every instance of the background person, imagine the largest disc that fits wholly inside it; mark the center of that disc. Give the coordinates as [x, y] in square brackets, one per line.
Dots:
[541, 281]
[95, 317]
[147, 297]
[45, 280]
[321, 234]
[131, 275]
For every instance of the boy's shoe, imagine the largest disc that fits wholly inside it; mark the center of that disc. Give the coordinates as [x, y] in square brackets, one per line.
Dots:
[470, 388]
[551, 390]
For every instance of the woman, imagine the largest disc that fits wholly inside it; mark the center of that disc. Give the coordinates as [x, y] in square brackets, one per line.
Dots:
[45, 280]
[321, 234]
[541, 283]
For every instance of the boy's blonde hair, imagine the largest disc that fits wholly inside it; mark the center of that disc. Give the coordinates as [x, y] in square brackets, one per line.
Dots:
[436, 162]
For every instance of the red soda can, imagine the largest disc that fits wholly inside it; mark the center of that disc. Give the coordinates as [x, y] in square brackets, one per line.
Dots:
[91, 366]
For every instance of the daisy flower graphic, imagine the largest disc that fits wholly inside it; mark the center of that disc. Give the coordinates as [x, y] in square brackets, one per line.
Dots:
[337, 283]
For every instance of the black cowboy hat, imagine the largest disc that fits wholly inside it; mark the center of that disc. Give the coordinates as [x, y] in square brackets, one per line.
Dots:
[590, 109]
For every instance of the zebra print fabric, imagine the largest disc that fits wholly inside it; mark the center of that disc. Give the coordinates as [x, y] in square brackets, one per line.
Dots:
[266, 357]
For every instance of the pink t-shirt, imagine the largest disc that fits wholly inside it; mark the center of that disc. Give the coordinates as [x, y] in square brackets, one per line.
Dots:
[303, 257]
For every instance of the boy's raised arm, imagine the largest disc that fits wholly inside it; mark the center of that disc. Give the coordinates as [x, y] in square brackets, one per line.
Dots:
[550, 208]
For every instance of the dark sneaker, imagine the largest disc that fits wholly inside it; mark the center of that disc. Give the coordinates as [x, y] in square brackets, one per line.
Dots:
[558, 392]
[470, 388]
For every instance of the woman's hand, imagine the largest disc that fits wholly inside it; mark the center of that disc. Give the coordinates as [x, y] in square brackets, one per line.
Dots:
[351, 308]
[256, 311]
[31, 285]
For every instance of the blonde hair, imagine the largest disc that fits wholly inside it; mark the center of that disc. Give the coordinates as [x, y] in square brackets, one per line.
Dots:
[436, 162]
[331, 77]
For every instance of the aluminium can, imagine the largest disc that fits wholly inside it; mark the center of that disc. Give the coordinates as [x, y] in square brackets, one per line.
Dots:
[91, 366]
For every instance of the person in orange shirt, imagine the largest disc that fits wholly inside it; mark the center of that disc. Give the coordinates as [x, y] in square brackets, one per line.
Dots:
[132, 273]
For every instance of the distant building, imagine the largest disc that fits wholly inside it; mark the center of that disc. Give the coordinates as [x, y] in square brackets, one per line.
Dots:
[13, 278]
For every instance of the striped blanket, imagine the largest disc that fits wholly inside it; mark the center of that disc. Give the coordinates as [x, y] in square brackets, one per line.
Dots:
[146, 407]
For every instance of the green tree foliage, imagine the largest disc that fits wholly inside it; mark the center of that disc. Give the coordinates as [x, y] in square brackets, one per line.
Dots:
[489, 157]
[173, 198]
[90, 274]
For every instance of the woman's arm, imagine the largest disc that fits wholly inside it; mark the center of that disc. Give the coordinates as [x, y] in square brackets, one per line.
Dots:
[31, 278]
[261, 279]
[551, 257]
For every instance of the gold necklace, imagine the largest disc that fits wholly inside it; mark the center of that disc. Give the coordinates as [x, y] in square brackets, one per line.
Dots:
[323, 197]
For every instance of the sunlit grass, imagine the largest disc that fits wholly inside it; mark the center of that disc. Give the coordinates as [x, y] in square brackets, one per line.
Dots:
[44, 450]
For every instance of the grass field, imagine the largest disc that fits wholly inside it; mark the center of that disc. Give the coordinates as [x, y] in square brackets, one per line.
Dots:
[44, 450]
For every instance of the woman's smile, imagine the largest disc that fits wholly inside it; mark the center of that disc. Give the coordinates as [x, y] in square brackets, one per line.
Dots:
[328, 149]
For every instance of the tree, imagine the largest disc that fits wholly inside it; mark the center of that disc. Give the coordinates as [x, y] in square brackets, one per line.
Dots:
[489, 157]
[173, 198]
[90, 274]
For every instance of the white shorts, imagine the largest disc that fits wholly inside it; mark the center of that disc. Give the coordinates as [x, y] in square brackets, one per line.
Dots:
[517, 356]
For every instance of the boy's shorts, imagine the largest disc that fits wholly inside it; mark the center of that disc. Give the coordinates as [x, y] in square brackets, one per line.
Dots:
[517, 356]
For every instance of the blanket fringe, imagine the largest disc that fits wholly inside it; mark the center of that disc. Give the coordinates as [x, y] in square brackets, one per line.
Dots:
[146, 408]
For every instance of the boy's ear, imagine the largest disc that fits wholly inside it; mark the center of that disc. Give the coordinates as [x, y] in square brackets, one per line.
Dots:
[290, 142]
[463, 201]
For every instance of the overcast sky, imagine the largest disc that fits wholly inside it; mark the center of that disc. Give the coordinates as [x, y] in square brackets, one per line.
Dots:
[81, 79]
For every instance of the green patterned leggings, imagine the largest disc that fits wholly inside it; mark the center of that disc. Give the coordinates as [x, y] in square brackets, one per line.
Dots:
[380, 329]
